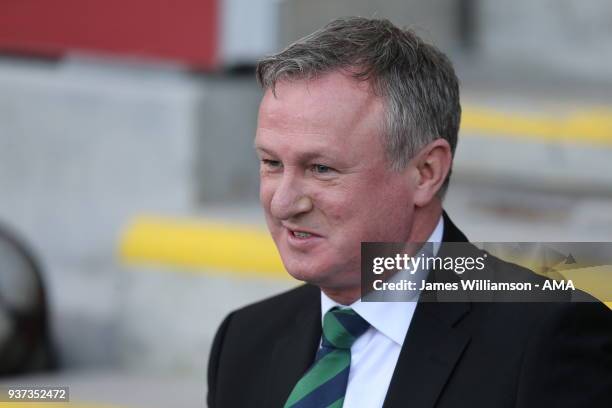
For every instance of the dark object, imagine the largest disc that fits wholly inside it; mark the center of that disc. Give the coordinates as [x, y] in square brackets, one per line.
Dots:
[24, 332]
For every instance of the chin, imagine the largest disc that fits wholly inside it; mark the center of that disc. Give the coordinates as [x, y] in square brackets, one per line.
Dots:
[322, 275]
[305, 270]
[306, 274]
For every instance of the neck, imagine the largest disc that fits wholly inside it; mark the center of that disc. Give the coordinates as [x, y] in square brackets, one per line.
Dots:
[344, 297]
[425, 221]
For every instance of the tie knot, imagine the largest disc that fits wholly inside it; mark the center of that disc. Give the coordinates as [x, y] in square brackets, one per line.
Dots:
[341, 327]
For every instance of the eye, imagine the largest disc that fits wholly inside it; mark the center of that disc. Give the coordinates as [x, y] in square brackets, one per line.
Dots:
[271, 164]
[321, 169]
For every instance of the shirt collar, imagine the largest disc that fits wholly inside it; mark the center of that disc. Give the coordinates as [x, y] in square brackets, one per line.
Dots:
[390, 318]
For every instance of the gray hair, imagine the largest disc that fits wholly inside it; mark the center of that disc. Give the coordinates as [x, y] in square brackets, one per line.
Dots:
[416, 81]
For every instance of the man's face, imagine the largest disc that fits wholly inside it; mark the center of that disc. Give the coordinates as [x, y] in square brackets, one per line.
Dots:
[326, 185]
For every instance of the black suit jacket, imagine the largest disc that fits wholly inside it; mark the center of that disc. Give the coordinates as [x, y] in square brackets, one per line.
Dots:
[461, 354]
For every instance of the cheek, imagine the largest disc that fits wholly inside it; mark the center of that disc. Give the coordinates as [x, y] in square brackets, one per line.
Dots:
[334, 203]
[382, 211]
[345, 211]
[266, 192]
[396, 211]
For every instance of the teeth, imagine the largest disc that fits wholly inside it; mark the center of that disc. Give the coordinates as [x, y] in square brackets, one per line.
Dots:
[301, 234]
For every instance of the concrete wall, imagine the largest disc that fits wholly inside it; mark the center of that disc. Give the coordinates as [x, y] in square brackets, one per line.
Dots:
[249, 29]
[227, 169]
[569, 36]
[253, 28]
[435, 20]
[85, 146]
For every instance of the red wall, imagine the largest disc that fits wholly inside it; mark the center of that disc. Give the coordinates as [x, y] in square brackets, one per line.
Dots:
[175, 30]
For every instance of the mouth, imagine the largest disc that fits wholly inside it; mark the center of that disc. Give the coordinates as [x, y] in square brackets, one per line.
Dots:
[301, 238]
[301, 234]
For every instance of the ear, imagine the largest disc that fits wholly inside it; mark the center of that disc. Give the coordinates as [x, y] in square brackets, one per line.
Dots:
[432, 164]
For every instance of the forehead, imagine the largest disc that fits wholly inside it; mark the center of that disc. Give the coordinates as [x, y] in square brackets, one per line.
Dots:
[331, 108]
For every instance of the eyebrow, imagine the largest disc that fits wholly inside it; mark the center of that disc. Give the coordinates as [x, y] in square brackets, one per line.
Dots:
[262, 149]
[303, 157]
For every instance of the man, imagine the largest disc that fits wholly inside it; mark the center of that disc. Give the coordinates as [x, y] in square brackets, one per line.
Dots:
[356, 134]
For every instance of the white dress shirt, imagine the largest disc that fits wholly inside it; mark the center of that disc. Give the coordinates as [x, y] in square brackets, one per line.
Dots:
[374, 354]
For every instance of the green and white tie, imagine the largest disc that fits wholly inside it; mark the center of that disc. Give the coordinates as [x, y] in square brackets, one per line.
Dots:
[324, 384]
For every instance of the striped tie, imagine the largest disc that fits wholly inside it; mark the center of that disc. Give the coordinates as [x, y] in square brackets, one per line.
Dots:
[324, 384]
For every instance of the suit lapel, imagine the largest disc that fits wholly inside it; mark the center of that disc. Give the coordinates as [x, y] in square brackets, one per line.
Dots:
[433, 345]
[293, 353]
[430, 352]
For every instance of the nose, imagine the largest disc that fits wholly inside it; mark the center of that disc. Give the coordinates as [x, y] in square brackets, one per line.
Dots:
[290, 199]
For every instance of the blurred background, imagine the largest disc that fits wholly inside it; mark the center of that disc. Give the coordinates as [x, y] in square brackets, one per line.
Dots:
[128, 186]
